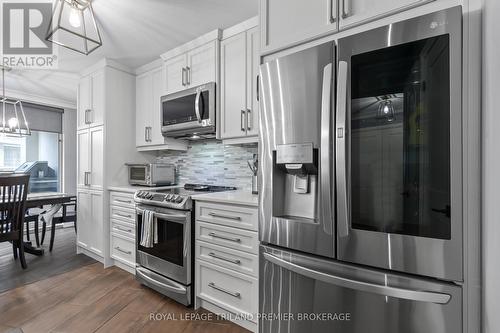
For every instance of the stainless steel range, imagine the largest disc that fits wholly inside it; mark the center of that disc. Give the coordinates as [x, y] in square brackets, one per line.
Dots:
[166, 264]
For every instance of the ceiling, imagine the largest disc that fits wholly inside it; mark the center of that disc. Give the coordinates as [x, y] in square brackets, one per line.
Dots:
[133, 33]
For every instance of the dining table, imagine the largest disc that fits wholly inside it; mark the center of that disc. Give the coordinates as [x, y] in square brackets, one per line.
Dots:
[36, 200]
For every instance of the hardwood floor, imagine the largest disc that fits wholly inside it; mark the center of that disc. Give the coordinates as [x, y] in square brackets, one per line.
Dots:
[63, 258]
[93, 299]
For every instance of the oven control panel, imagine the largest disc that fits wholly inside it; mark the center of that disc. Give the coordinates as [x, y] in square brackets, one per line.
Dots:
[163, 199]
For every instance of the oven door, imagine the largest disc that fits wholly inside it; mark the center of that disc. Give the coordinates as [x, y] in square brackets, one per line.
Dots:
[171, 256]
[189, 111]
[399, 146]
[139, 174]
[301, 293]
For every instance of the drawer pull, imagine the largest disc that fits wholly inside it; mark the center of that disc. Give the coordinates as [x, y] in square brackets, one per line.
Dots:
[124, 201]
[124, 215]
[123, 229]
[214, 235]
[234, 294]
[234, 261]
[117, 248]
[225, 216]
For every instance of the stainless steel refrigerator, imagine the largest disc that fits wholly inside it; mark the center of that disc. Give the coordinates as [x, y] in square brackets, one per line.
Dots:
[360, 182]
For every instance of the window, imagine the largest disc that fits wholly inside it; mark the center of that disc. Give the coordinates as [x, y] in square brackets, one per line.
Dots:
[38, 154]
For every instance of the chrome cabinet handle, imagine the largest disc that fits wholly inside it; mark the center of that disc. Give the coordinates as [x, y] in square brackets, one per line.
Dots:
[233, 261]
[123, 229]
[183, 76]
[86, 178]
[332, 11]
[123, 201]
[231, 239]
[188, 75]
[326, 151]
[238, 218]
[346, 8]
[232, 293]
[87, 116]
[341, 151]
[242, 120]
[249, 120]
[146, 134]
[122, 250]
[197, 105]
[413, 295]
[124, 215]
[257, 90]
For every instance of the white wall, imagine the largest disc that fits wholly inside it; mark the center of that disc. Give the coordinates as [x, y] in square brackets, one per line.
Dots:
[69, 151]
[491, 166]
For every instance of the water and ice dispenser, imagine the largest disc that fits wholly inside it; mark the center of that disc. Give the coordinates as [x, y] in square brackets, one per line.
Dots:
[295, 181]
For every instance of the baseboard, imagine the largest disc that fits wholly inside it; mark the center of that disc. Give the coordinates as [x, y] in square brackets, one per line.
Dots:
[251, 326]
[89, 254]
[124, 267]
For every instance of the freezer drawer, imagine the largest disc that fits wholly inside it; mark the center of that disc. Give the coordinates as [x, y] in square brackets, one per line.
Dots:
[300, 293]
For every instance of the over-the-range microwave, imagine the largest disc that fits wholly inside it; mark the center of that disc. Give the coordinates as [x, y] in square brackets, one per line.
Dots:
[189, 113]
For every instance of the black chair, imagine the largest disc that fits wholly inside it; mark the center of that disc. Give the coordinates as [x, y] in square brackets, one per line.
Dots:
[32, 218]
[13, 193]
[66, 216]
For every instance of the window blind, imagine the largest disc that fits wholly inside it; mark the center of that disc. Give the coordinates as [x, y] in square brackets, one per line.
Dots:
[39, 117]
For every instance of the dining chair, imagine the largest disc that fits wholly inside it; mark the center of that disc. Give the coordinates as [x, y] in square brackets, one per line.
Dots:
[13, 193]
[66, 216]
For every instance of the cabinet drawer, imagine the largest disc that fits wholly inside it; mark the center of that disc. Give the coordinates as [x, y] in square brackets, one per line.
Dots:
[122, 199]
[236, 260]
[123, 249]
[234, 292]
[237, 216]
[238, 239]
[123, 214]
[123, 228]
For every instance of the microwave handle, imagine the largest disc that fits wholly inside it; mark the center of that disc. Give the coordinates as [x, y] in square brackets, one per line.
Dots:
[197, 105]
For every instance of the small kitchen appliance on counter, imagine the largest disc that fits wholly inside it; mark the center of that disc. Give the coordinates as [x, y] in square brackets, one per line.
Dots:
[151, 174]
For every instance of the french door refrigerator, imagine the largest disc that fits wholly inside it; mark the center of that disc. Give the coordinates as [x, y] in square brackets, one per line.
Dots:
[360, 182]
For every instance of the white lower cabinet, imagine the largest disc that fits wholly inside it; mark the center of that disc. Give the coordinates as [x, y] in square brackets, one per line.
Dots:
[90, 236]
[227, 261]
[122, 230]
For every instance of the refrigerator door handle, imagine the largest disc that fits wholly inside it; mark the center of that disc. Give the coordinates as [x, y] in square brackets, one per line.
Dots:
[341, 150]
[325, 150]
[409, 294]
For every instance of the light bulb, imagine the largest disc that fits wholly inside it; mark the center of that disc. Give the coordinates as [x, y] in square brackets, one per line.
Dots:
[13, 123]
[386, 109]
[74, 17]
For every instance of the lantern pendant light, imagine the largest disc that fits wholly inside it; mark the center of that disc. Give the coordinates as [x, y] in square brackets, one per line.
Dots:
[12, 109]
[73, 26]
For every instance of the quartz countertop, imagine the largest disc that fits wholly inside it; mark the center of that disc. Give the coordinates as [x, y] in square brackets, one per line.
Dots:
[133, 189]
[239, 197]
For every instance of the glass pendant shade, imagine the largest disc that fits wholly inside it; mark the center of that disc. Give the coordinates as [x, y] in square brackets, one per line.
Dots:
[73, 26]
[13, 121]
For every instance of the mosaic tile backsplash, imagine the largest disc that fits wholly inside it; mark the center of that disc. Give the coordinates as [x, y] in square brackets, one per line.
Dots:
[211, 162]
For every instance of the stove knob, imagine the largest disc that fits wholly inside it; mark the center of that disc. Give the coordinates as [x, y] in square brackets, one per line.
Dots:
[149, 196]
[174, 198]
[168, 197]
[180, 199]
[139, 194]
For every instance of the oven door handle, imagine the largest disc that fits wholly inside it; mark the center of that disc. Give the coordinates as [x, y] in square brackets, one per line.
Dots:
[178, 218]
[373, 288]
[176, 288]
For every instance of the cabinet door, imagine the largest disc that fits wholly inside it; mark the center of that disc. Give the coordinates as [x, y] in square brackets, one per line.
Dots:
[356, 11]
[155, 136]
[97, 97]
[96, 221]
[253, 62]
[83, 101]
[143, 108]
[287, 22]
[173, 73]
[83, 156]
[233, 86]
[97, 158]
[202, 63]
[83, 212]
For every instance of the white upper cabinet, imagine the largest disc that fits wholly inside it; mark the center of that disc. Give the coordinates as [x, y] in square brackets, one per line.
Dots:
[353, 12]
[175, 73]
[90, 164]
[143, 100]
[91, 100]
[192, 64]
[287, 22]
[239, 69]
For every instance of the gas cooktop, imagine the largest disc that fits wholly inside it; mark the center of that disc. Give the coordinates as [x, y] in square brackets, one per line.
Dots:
[178, 197]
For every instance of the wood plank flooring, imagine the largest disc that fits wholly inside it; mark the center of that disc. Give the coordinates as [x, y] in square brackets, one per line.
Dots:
[93, 299]
[63, 258]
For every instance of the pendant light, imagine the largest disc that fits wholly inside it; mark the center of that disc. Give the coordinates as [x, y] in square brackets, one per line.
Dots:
[73, 26]
[12, 109]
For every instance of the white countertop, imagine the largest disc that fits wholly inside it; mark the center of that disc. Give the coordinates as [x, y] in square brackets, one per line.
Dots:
[132, 188]
[239, 197]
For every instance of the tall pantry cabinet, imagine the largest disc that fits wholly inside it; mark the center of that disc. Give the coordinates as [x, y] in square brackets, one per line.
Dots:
[105, 142]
